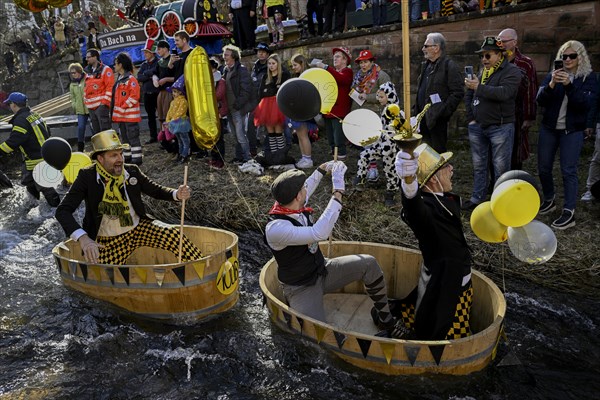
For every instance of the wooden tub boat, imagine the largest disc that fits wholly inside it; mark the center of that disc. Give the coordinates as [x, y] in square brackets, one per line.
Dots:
[350, 331]
[154, 285]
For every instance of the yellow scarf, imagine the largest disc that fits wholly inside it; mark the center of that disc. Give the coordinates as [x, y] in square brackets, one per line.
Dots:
[113, 203]
[488, 72]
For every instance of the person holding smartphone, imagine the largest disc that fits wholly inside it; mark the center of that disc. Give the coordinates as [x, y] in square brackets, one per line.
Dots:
[177, 61]
[490, 106]
[568, 95]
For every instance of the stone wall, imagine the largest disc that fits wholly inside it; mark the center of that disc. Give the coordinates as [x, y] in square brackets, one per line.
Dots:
[42, 82]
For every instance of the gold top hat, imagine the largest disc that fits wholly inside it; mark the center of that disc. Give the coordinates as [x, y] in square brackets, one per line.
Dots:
[430, 161]
[105, 141]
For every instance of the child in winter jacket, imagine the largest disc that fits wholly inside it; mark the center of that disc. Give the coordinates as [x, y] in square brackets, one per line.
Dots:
[384, 148]
[177, 120]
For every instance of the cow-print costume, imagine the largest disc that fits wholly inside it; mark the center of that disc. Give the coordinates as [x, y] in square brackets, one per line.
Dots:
[384, 148]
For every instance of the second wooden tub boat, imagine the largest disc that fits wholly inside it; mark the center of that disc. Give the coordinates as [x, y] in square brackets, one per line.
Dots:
[350, 331]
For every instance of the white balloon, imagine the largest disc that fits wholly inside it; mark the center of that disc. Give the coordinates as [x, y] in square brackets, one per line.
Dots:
[534, 243]
[362, 127]
[47, 176]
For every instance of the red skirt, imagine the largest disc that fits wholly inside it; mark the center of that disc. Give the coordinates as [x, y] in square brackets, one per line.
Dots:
[267, 113]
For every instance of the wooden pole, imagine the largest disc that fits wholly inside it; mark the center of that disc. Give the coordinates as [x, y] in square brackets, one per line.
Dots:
[335, 155]
[406, 57]
[185, 173]
[409, 143]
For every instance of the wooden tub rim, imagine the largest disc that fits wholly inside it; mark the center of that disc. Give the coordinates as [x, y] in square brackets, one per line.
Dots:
[495, 325]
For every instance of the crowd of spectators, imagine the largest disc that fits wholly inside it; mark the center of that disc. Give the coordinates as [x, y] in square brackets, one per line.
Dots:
[501, 104]
[330, 17]
[77, 30]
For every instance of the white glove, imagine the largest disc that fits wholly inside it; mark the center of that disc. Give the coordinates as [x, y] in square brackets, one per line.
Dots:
[328, 166]
[337, 175]
[405, 165]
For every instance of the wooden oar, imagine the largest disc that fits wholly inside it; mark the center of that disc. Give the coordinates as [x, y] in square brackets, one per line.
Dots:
[335, 155]
[185, 172]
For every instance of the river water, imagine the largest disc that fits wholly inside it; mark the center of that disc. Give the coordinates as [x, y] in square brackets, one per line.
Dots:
[58, 344]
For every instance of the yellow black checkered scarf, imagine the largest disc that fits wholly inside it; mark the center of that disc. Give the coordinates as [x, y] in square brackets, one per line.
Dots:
[487, 72]
[113, 203]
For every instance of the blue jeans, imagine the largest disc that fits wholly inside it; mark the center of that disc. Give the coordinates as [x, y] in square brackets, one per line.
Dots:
[183, 138]
[415, 10]
[498, 138]
[570, 145]
[82, 123]
[434, 6]
[335, 135]
[24, 57]
[236, 125]
[379, 12]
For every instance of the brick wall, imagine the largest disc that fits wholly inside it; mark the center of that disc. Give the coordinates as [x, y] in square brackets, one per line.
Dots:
[542, 27]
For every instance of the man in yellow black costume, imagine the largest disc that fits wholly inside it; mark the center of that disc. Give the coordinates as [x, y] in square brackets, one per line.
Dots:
[440, 305]
[29, 132]
[115, 222]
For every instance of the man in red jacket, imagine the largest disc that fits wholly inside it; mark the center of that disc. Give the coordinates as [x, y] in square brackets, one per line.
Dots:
[126, 108]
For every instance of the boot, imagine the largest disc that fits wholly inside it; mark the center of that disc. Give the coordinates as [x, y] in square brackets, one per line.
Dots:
[389, 199]
[80, 146]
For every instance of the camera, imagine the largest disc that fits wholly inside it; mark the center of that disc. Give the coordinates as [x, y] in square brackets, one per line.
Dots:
[469, 72]
[174, 52]
[558, 64]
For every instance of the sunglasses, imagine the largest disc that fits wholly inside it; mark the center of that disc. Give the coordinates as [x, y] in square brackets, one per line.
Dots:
[487, 56]
[429, 45]
[572, 56]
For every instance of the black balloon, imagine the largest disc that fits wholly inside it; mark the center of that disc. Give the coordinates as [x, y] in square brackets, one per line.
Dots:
[518, 174]
[298, 99]
[56, 152]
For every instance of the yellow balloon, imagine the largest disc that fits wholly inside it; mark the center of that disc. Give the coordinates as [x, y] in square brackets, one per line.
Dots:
[515, 203]
[78, 160]
[202, 100]
[325, 84]
[486, 226]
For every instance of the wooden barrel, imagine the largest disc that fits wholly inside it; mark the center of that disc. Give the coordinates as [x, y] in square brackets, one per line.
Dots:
[154, 285]
[350, 331]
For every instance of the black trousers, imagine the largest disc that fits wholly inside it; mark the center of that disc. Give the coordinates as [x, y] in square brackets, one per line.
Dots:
[314, 6]
[150, 102]
[337, 7]
[243, 28]
[100, 118]
[437, 136]
[218, 152]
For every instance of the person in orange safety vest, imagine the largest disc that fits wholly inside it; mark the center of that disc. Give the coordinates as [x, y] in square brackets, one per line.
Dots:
[99, 80]
[125, 107]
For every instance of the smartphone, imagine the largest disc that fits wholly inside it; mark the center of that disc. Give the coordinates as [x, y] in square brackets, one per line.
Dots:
[174, 51]
[469, 72]
[558, 64]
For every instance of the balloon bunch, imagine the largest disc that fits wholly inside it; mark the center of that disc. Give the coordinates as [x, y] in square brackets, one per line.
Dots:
[510, 216]
[59, 163]
[301, 99]
[40, 5]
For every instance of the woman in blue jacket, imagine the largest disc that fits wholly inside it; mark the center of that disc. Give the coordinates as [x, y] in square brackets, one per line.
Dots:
[567, 95]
